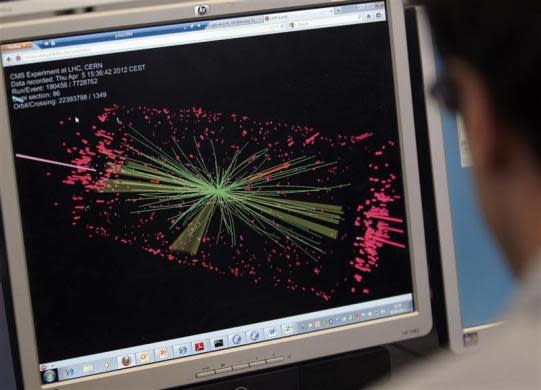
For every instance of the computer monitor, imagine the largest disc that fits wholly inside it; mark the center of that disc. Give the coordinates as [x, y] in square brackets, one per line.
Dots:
[477, 282]
[191, 192]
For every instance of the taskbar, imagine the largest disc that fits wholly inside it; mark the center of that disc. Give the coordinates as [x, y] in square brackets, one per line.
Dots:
[231, 338]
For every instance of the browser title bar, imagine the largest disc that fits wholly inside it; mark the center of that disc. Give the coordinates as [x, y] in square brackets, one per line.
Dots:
[187, 33]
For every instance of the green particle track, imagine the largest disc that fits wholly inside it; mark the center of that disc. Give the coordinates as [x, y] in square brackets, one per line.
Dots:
[247, 190]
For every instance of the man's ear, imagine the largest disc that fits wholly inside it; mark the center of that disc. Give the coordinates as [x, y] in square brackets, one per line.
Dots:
[481, 118]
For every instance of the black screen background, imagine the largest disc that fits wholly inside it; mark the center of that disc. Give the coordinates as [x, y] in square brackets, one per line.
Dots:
[86, 302]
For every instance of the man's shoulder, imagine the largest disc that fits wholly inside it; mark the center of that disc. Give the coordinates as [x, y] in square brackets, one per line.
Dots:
[512, 361]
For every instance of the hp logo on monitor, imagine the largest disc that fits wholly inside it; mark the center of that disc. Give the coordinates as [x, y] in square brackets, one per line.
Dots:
[202, 10]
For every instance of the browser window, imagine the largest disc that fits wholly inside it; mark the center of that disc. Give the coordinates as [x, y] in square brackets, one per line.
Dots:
[195, 187]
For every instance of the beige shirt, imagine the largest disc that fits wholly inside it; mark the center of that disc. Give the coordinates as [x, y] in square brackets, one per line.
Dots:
[511, 360]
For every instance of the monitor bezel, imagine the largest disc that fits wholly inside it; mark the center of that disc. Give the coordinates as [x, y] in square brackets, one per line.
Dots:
[455, 327]
[295, 348]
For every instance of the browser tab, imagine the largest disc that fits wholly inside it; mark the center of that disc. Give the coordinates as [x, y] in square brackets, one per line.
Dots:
[16, 46]
[236, 22]
[344, 9]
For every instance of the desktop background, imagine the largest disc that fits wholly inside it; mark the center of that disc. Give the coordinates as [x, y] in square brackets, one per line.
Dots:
[110, 268]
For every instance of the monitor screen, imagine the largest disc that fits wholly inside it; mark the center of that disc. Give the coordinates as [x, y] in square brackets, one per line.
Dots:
[476, 281]
[195, 187]
[482, 295]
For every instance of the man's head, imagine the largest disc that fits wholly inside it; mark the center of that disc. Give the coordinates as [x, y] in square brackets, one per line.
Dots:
[492, 55]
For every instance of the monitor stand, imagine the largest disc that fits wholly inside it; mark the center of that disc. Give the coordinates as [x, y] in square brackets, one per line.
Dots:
[350, 371]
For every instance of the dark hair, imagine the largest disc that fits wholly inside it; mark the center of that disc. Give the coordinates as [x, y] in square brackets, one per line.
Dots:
[501, 39]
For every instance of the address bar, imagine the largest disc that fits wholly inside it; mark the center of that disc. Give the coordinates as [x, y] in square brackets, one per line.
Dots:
[92, 49]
